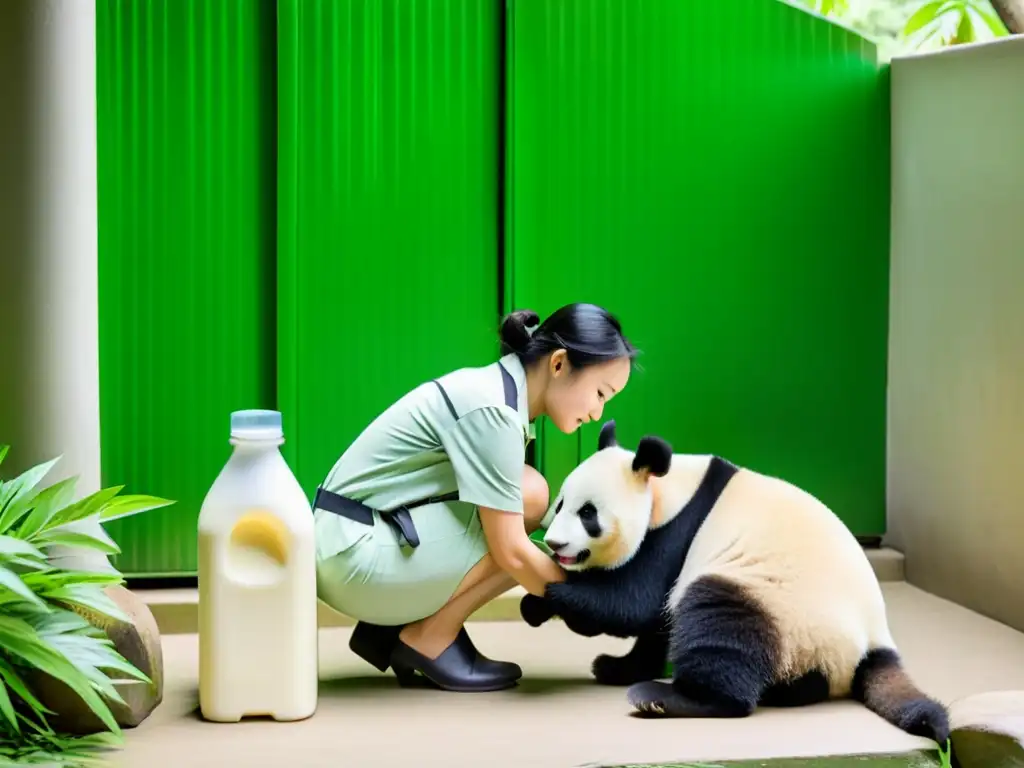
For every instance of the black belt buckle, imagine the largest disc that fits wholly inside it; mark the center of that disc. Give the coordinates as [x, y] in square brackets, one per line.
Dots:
[401, 518]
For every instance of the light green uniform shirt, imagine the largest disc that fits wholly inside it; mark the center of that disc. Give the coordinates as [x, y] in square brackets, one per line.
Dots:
[414, 450]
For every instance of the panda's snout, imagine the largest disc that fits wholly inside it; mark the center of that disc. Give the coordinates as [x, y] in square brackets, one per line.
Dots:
[555, 546]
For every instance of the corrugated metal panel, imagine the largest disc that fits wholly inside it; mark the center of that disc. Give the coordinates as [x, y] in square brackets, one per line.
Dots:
[716, 174]
[389, 202]
[187, 207]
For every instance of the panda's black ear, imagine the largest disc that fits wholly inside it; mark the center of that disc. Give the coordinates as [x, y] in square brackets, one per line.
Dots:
[607, 437]
[653, 456]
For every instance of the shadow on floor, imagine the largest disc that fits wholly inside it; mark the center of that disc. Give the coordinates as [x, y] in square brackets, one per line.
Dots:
[534, 686]
[386, 685]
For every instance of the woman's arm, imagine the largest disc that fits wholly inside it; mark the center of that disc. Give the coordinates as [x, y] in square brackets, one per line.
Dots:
[515, 554]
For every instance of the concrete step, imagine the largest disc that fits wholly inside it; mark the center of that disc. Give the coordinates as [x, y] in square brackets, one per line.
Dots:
[176, 610]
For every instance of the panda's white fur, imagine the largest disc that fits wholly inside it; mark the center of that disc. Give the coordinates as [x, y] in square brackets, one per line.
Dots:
[774, 543]
[765, 534]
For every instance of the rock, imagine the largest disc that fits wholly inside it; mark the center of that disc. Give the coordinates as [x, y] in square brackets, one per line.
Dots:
[988, 730]
[139, 642]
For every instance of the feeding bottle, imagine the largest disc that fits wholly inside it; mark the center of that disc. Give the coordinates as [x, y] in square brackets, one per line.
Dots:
[257, 583]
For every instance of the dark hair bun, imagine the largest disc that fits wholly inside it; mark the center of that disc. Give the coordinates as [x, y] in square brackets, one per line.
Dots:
[514, 336]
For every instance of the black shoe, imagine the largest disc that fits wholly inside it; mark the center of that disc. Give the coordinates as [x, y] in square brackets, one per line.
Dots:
[504, 668]
[374, 643]
[459, 668]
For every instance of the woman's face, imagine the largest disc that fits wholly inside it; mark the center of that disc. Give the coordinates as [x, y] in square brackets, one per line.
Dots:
[574, 397]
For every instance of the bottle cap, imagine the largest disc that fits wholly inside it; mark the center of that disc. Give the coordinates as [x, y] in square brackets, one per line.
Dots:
[256, 424]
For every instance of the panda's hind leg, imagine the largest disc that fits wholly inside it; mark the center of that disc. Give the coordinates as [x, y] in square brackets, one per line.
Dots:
[810, 688]
[723, 648]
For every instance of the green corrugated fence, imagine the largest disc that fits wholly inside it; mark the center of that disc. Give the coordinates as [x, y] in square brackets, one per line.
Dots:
[317, 205]
[388, 221]
[717, 174]
[186, 122]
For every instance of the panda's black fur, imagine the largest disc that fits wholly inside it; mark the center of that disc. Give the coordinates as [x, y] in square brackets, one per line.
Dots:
[724, 647]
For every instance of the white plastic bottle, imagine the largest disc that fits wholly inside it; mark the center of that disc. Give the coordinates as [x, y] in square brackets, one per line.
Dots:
[257, 583]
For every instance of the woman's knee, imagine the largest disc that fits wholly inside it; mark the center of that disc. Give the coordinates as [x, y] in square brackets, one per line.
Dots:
[535, 497]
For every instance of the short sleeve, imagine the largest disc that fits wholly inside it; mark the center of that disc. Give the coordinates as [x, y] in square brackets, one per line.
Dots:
[487, 450]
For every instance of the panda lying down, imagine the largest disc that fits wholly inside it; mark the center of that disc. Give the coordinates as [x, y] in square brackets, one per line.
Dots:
[752, 588]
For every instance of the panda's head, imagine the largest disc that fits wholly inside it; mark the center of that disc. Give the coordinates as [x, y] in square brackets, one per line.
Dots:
[603, 509]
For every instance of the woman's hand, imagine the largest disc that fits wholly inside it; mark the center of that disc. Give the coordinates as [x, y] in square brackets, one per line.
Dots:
[515, 554]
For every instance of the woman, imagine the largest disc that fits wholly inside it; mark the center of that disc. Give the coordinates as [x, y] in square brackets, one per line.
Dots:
[427, 515]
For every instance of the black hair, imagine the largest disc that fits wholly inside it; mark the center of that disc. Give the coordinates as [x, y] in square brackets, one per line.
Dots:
[588, 333]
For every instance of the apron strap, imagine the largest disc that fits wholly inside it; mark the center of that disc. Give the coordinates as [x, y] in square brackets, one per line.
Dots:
[400, 518]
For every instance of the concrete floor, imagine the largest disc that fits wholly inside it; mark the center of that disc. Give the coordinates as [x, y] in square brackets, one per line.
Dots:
[557, 717]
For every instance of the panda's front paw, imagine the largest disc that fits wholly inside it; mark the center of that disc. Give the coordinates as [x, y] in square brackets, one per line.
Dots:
[624, 670]
[535, 610]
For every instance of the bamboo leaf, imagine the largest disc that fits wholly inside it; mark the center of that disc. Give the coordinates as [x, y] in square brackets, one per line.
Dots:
[965, 30]
[86, 507]
[132, 504]
[21, 640]
[992, 21]
[13, 582]
[16, 493]
[45, 504]
[16, 684]
[78, 539]
[11, 546]
[926, 13]
[54, 579]
[89, 597]
[7, 708]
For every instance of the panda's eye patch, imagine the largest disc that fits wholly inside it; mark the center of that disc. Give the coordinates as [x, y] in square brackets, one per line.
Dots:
[588, 519]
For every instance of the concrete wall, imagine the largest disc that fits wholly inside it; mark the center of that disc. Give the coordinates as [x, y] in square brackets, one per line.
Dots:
[956, 380]
[49, 368]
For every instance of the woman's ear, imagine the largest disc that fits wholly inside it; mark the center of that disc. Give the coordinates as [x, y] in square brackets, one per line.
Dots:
[559, 363]
[653, 457]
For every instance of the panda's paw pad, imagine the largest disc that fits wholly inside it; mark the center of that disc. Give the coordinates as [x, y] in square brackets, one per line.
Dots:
[656, 699]
[619, 670]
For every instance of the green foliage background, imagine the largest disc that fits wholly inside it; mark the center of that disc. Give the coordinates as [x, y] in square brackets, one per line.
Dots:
[903, 26]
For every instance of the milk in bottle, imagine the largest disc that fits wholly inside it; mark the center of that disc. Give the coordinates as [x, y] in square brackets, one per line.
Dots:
[257, 583]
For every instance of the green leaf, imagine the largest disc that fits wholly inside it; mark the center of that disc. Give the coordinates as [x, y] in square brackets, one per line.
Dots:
[945, 754]
[18, 492]
[87, 596]
[16, 684]
[11, 547]
[53, 578]
[13, 582]
[21, 640]
[58, 622]
[992, 21]
[927, 13]
[86, 507]
[95, 653]
[42, 747]
[88, 648]
[3, 453]
[45, 504]
[965, 29]
[7, 709]
[59, 537]
[132, 504]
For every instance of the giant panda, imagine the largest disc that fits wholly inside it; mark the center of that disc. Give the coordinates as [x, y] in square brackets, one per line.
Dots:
[753, 590]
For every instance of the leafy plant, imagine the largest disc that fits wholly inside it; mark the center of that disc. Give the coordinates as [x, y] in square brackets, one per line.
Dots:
[828, 7]
[42, 631]
[952, 22]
